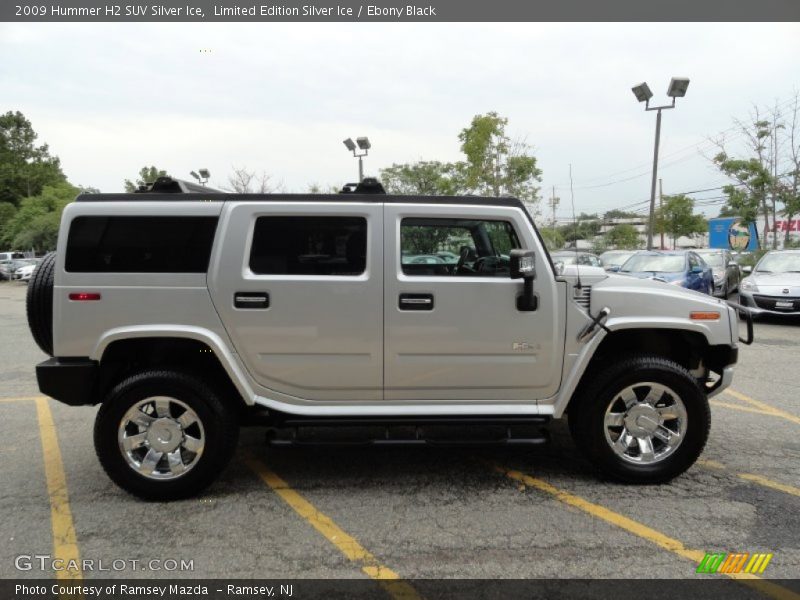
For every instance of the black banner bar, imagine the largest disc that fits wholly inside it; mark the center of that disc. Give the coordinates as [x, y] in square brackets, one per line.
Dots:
[716, 587]
[398, 11]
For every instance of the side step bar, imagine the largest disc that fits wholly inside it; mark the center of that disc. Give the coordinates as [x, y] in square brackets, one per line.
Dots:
[526, 430]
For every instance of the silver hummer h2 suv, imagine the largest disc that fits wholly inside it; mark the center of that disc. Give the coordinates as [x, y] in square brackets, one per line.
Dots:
[186, 313]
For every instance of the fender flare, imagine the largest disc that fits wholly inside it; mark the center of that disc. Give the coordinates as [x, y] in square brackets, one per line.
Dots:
[228, 360]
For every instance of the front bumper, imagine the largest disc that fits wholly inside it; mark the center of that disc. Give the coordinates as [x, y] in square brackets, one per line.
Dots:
[764, 304]
[724, 381]
[68, 380]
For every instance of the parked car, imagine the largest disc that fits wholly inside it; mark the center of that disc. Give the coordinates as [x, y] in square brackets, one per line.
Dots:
[773, 287]
[724, 268]
[11, 255]
[567, 257]
[678, 267]
[612, 260]
[8, 268]
[25, 271]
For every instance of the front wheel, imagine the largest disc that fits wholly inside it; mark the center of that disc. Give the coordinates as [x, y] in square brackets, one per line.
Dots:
[164, 435]
[643, 420]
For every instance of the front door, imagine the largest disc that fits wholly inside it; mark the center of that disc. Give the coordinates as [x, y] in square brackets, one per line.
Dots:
[452, 328]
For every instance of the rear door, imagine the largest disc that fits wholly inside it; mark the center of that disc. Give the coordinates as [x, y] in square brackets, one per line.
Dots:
[452, 328]
[299, 287]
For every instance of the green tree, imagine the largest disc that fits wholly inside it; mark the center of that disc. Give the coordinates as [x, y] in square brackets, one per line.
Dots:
[35, 224]
[583, 229]
[676, 217]
[7, 212]
[552, 238]
[495, 164]
[624, 237]
[423, 178]
[146, 175]
[25, 168]
[620, 214]
[749, 195]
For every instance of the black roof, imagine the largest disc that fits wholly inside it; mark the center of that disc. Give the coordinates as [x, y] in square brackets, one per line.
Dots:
[334, 198]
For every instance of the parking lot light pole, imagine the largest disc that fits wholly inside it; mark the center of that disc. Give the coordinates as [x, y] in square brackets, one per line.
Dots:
[363, 144]
[677, 89]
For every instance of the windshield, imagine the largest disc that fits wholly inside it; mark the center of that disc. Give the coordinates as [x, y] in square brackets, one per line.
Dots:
[713, 260]
[615, 259]
[663, 263]
[779, 263]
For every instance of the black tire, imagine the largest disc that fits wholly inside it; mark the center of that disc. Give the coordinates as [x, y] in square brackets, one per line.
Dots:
[219, 422]
[39, 303]
[587, 412]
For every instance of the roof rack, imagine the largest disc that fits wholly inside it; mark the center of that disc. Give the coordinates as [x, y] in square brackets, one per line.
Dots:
[368, 185]
[169, 185]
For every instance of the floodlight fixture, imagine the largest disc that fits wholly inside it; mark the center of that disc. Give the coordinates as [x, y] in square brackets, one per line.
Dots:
[363, 145]
[195, 175]
[205, 174]
[677, 87]
[642, 92]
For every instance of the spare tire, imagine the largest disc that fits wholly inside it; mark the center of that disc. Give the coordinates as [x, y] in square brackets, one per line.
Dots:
[39, 303]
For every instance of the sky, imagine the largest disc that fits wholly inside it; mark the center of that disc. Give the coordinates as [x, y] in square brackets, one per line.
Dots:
[281, 97]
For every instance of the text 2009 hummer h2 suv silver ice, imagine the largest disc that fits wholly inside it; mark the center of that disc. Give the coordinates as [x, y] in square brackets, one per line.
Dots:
[187, 314]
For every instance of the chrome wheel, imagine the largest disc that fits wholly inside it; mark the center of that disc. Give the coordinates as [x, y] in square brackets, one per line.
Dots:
[161, 438]
[645, 423]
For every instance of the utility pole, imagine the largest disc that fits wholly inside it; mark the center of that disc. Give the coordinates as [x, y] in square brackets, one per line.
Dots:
[661, 207]
[554, 202]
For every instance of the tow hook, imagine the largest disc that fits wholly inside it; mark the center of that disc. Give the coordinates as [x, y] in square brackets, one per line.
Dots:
[587, 332]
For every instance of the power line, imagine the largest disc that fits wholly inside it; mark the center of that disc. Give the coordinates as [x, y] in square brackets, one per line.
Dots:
[707, 144]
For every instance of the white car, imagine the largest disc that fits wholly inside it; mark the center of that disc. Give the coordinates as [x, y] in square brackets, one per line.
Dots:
[24, 273]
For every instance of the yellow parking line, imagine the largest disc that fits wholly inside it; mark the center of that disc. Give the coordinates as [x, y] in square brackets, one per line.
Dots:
[643, 531]
[347, 544]
[760, 480]
[65, 545]
[764, 406]
[746, 409]
[20, 398]
[782, 487]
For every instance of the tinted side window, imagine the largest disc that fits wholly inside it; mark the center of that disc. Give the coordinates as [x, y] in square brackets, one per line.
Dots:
[461, 247]
[140, 244]
[309, 246]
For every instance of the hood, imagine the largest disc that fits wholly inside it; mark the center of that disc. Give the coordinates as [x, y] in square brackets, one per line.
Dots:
[657, 275]
[774, 284]
[636, 301]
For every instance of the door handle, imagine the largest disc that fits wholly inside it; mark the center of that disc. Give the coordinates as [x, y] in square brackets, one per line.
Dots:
[415, 302]
[251, 300]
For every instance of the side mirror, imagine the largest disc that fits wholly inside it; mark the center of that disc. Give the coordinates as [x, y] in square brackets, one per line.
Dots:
[523, 266]
[614, 268]
[747, 269]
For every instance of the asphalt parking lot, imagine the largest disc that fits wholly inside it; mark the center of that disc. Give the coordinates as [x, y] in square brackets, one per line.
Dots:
[409, 513]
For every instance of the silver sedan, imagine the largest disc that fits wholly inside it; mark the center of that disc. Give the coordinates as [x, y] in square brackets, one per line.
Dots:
[773, 286]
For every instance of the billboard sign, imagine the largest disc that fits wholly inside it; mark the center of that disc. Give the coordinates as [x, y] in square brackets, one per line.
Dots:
[729, 233]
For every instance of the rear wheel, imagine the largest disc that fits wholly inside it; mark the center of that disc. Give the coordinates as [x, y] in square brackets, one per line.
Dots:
[644, 420]
[164, 435]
